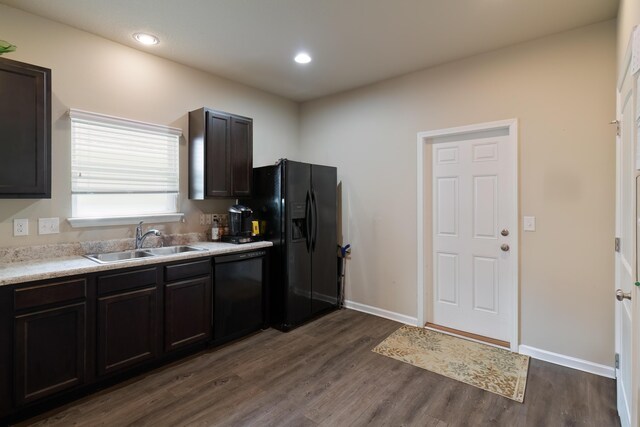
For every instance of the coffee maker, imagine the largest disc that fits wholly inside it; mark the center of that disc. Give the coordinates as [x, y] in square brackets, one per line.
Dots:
[240, 226]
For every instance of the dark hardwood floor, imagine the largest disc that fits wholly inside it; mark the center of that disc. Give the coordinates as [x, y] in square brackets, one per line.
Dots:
[325, 374]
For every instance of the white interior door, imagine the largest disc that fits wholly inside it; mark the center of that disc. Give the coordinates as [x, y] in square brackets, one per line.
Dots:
[474, 212]
[626, 255]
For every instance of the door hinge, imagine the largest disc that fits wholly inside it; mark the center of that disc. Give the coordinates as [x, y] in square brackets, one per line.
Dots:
[617, 123]
[617, 361]
[617, 244]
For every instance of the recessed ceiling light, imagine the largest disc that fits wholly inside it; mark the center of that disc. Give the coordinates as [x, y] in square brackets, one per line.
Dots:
[148, 39]
[302, 58]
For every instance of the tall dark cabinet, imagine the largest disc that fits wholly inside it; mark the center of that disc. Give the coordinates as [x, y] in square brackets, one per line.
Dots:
[220, 154]
[25, 130]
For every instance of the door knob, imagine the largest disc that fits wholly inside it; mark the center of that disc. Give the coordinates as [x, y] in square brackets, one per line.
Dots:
[504, 232]
[620, 295]
[504, 247]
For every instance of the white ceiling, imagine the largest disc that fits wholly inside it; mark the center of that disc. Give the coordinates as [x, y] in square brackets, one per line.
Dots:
[352, 42]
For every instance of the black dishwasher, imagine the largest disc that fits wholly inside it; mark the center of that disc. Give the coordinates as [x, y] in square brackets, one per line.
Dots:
[238, 297]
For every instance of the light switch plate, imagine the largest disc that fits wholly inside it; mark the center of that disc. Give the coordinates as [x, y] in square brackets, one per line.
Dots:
[48, 225]
[21, 227]
[529, 223]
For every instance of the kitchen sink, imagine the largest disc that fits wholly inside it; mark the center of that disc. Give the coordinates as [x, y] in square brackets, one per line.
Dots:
[118, 256]
[170, 250]
[140, 253]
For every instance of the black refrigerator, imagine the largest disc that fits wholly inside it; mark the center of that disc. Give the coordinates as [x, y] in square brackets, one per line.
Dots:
[296, 205]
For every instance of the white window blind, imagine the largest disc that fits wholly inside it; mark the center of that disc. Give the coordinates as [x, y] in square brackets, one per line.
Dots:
[122, 167]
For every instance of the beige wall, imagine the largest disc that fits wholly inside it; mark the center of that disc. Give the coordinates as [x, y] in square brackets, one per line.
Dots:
[628, 17]
[94, 74]
[562, 90]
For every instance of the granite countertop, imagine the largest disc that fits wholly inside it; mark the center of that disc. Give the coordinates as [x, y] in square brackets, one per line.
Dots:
[49, 268]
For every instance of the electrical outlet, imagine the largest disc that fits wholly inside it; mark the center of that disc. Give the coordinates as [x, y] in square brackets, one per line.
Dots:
[48, 225]
[21, 227]
[201, 219]
[208, 218]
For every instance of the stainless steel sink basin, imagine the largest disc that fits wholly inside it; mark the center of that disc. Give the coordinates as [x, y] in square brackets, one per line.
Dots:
[118, 256]
[140, 253]
[170, 250]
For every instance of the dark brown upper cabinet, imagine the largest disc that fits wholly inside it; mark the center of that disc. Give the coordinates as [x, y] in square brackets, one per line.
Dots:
[25, 131]
[220, 154]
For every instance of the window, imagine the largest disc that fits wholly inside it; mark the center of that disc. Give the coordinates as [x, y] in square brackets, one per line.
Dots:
[122, 168]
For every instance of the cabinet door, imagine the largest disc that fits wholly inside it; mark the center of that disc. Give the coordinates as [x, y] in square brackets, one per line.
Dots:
[127, 329]
[25, 130]
[49, 351]
[187, 312]
[218, 155]
[241, 156]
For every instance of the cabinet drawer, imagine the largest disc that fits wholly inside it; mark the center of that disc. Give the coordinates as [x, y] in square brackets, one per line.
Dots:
[187, 269]
[127, 280]
[51, 293]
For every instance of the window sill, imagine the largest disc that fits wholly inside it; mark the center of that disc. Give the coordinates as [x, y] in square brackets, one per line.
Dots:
[124, 220]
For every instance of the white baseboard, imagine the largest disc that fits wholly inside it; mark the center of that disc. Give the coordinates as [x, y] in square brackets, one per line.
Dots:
[568, 361]
[413, 321]
[536, 353]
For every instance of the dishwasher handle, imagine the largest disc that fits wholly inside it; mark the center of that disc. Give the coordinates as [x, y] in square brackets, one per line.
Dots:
[239, 257]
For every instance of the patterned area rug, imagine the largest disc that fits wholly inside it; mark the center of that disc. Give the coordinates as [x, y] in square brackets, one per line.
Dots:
[489, 368]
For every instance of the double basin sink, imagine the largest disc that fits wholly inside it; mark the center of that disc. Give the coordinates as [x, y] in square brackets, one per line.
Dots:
[140, 253]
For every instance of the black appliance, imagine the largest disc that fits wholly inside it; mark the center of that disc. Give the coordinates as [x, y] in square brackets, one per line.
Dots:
[296, 205]
[239, 306]
[240, 220]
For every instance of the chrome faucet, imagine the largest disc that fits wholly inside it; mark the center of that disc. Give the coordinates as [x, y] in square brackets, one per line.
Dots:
[140, 237]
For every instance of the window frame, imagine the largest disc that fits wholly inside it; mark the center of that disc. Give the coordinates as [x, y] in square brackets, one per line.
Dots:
[126, 219]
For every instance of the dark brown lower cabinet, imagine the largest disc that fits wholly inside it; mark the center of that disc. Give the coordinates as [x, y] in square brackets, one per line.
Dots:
[67, 336]
[50, 351]
[187, 313]
[127, 329]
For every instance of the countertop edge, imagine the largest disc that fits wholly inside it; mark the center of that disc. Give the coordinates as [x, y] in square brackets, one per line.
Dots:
[52, 268]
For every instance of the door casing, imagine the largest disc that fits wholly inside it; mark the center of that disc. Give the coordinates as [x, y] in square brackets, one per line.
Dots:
[427, 137]
[627, 404]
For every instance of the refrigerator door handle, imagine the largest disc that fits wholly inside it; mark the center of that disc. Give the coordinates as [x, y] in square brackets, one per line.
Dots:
[308, 220]
[314, 201]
